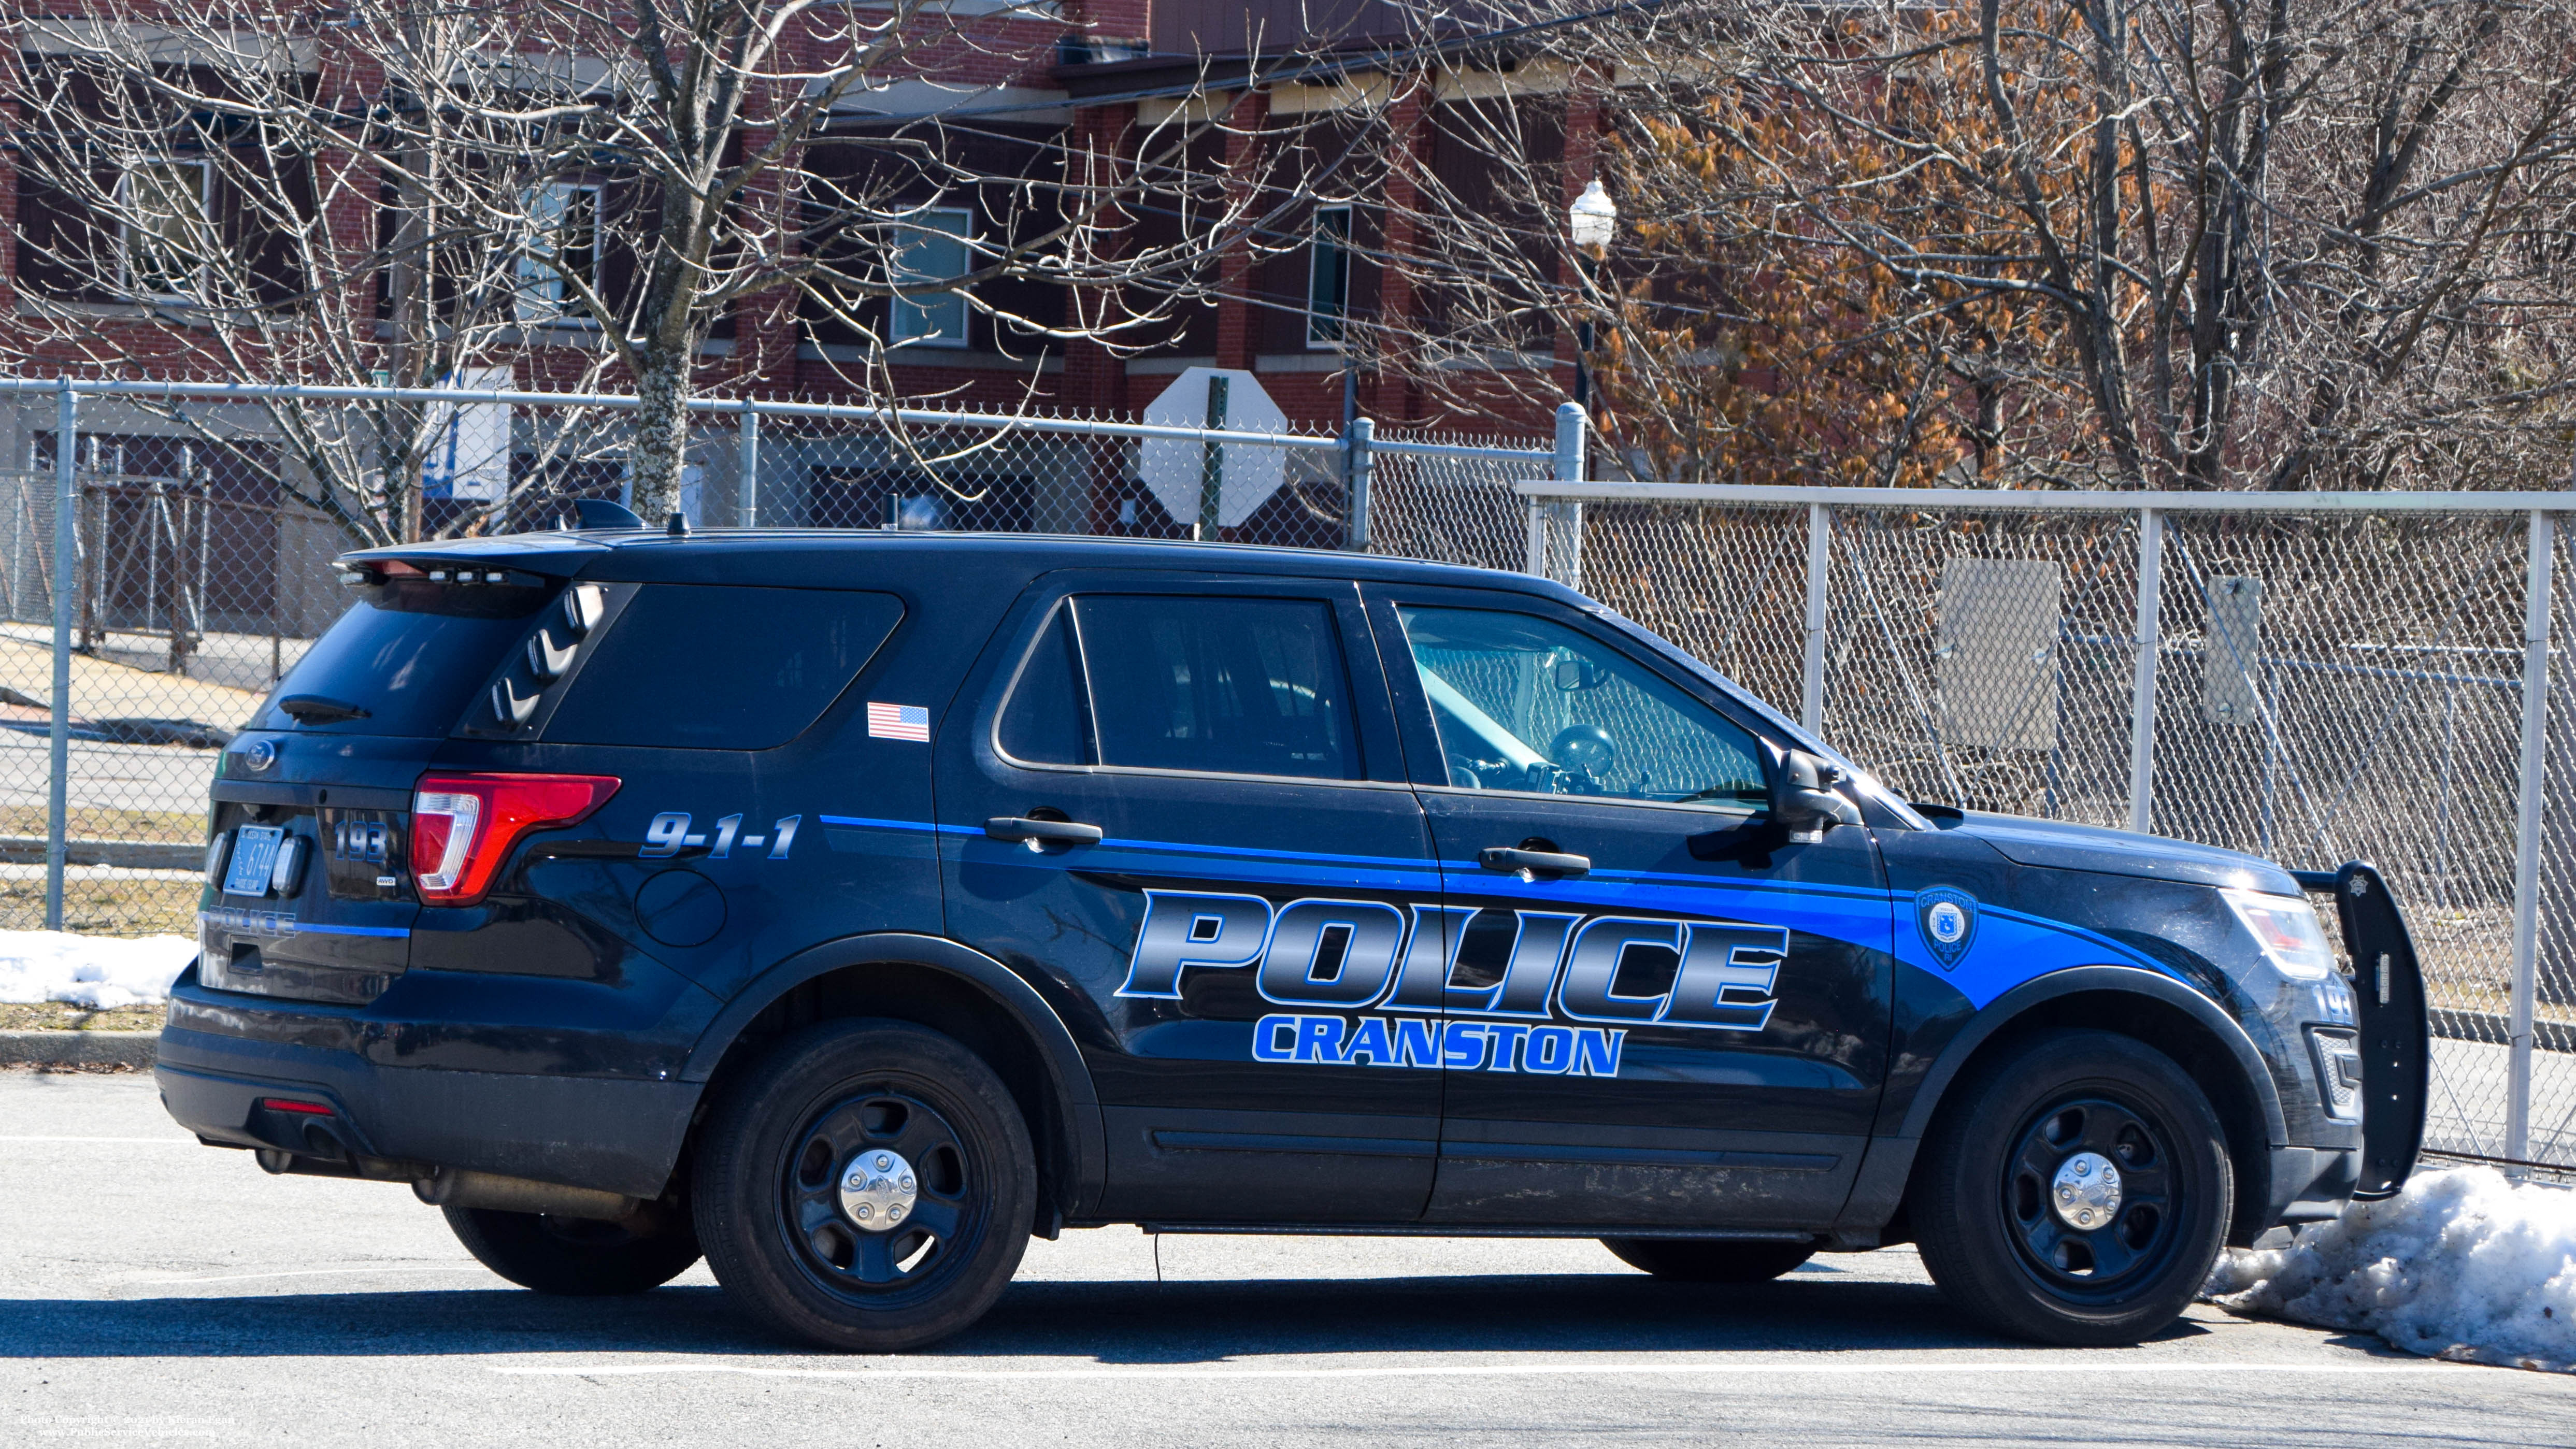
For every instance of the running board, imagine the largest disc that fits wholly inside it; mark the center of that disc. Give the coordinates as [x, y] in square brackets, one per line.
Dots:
[1465, 1230]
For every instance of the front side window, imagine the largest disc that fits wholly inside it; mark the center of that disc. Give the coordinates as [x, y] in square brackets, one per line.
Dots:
[1328, 277]
[1176, 682]
[1526, 704]
[166, 227]
[932, 250]
[564, 218]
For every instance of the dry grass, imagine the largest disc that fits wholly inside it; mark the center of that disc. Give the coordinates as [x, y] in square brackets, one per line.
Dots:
[63, 1016]
[111, 907]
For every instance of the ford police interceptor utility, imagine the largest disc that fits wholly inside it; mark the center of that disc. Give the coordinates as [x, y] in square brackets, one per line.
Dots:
[847, 907]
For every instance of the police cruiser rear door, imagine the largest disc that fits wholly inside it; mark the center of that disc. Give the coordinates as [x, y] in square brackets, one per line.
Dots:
[1660, 1012]
[1182, 810]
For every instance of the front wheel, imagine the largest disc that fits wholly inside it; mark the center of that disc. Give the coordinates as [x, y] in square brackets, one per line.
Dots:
[576, 1257]
[1710, 1260]
[867, 1186]
[2077, 1195]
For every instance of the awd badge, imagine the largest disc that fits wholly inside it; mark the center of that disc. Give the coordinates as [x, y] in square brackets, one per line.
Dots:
[1948, 920]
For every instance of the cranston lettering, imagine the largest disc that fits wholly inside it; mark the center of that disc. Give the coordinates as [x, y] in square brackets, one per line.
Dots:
[1460, 1046]
[1371, 956]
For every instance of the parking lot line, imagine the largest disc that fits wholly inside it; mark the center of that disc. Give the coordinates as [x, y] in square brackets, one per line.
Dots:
[311, 1273]
[101, 1141]
[1989, 1367]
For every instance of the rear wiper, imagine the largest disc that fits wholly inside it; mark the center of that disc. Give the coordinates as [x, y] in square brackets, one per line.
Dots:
[315, 709]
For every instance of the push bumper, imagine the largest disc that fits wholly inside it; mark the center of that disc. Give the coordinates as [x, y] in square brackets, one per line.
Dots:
[2396, 1029]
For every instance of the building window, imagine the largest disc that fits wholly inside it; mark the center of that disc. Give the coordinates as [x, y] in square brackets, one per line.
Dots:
[565, 219]
[932, 249]
[163, 208]
[1328, 276]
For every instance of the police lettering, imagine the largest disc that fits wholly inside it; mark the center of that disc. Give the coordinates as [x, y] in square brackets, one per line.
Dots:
[1337, 955]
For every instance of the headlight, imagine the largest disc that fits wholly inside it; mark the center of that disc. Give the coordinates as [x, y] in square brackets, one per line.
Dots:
[2288, 932]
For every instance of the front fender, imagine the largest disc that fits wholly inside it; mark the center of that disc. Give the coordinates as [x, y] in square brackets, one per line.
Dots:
[1068, 1078]
[2004, 1009]
[1889, 1165]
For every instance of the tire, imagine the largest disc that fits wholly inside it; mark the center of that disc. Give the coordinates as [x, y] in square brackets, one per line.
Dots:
[2008, 1257]
[576, 1257]
[779, 1151]
[1710, 1260]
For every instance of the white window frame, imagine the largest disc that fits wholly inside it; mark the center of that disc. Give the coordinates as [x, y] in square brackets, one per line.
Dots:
[539, 296]
[130, 235]
[1317, 337]
[938, 319]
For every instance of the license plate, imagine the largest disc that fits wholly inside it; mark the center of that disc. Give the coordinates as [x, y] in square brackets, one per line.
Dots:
[254, 856]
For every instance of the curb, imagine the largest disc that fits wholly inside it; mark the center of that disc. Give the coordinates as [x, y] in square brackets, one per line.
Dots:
[131, 854]
[2497, 1030]
[79, 1048]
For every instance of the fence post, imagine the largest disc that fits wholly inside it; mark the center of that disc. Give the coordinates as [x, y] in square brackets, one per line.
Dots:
[66, 565]
[1563, 560]
[2526, 842]
[747, 467]
[1212, 463]
[2142, 698]
[1820, 551]
[1359, 467]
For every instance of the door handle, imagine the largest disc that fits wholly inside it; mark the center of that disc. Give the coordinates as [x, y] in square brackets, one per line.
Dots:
[1532, 862]
[1017, 828]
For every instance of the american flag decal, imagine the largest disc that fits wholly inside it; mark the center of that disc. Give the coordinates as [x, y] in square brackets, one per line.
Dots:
[899, 722]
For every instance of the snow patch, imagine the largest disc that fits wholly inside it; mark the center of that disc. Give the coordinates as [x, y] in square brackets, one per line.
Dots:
[2462, 1264]
[99, 972]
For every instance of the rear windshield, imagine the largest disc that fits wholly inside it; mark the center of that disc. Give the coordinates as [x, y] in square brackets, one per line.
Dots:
[405, 657]
[721, 668]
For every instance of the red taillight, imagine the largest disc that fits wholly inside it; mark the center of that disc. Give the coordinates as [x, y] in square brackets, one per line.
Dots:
[281, 1104]
[463, 826]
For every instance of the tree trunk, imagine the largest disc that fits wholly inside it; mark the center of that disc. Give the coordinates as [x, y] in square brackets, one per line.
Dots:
[661, 434]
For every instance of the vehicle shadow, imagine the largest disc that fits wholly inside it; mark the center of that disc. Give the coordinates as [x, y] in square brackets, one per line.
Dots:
[1112, 1322]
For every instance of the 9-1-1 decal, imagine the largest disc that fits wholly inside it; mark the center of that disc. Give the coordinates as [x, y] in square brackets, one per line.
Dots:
[669, 834]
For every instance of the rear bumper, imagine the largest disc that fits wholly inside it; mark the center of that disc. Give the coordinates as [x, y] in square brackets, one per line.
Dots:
[617, 1134]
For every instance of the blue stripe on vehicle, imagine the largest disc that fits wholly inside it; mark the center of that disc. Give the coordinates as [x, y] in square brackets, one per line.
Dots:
[2012, 946]
[868, 823]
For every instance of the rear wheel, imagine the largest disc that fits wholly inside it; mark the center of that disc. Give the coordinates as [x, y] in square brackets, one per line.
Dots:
[2078, 1195]
[868, 1186]
[1710, 1260]
[578, 1257]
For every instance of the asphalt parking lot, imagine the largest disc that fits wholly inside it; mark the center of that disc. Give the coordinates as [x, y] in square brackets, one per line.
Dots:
[156, 1292]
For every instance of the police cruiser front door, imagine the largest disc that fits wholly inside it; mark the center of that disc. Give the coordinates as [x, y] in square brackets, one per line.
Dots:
[1658, 1012]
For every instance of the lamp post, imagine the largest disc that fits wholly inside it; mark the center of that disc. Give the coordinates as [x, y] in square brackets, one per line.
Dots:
[1589, 221]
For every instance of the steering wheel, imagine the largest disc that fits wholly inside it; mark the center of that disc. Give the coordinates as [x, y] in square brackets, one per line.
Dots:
[1583, 751]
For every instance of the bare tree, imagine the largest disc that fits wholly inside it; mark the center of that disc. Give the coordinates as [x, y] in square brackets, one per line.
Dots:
[2109, 243]
[582, 194]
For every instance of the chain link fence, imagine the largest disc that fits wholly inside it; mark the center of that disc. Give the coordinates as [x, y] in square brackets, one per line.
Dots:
[2306, 682]
[2312, 680]
[191, 581]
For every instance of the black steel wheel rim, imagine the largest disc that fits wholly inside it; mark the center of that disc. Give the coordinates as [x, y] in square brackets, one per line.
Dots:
[2108, 1262]
[888, 1267]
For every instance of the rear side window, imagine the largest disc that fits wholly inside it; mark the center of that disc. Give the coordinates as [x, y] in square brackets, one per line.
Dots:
[720, 668]
[410, 654]
[1178, 682]
[1047, 721]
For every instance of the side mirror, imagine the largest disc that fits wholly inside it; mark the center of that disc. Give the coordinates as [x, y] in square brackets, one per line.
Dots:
[1803, 800]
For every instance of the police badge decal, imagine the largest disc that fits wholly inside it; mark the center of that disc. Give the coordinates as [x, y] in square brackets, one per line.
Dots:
[1947, 919]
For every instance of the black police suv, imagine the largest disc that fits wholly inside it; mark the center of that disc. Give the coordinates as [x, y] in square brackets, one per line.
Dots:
[847, 907]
